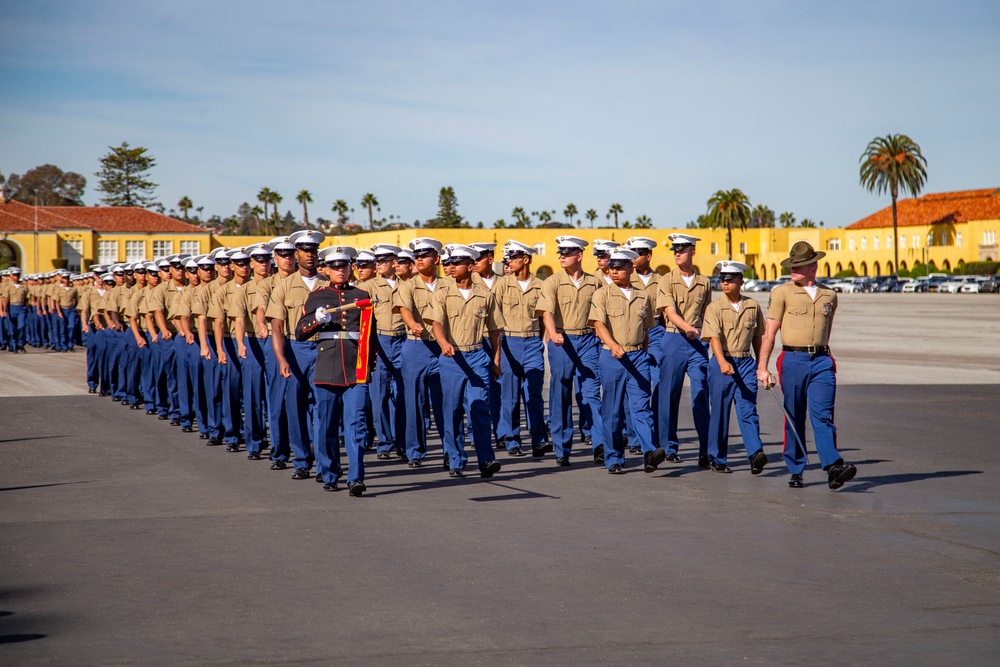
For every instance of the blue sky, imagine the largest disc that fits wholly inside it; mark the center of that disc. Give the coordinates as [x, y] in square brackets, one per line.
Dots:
[655, 105]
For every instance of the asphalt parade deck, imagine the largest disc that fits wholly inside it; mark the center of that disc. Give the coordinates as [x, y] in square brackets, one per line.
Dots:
[126, 541]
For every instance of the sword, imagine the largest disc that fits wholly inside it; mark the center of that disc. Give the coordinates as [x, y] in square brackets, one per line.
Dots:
[361, 303]
[781, 404]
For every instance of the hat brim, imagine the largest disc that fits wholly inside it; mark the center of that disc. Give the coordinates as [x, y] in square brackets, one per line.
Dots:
[791, 263]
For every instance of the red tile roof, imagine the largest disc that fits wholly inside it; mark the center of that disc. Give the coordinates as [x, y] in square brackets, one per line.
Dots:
[943, 207]
[18, 217]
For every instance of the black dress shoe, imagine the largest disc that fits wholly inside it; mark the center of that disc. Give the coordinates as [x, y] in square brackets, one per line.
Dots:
[455, 472]
[278, 465]
[234, 447]
[125, 402]
[499, 446]
[162, 418]
[331, 486]
[673, 458]
[839, 473]
[187, 429]
[356, 488]
[150, 412]
[634, 449]
[758, 462]
[105, 393]
[719, 467]
[653, 459]
[703, 461]
[541, 450]
[599, 455]
[446, 464]
[383, 456]
[562, 461]
[301, 473]
[116, 399]
[415, 463]
[213, 442]
[203, 436]
[175, 422]
[516, 452]
[91, 390]
[587, 440]
[253, 456]
[318, 478]
[795, 481]
[616, 469]
[137, 406]
[489, 469]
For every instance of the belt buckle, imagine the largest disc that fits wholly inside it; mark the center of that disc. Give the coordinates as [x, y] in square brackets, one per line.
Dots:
[811, 349]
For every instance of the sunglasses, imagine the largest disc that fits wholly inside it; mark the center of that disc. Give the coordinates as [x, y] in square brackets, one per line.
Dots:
[425, 254]
[681, 248]
[404, 260]
[728, 278]
[261, 259]
[176, 265]
[602, 255]
[385, 260]
[284, 253]
[568, 251]
[222, 262]
[241, 262]
[619, 264]
[141, 272]
[192, 270]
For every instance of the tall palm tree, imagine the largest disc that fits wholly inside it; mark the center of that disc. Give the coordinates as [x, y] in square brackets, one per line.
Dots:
[259, 214]
[340, 207]
[591, 215]
[275, 199]
[264, 197]
[185, 204]
[787, 219]
[890, 162]
[570, 211]
[643, 222]
[520, 217]
[729, 208]
[369, 201]
[304, 197]
[615, 209]
[762, 217]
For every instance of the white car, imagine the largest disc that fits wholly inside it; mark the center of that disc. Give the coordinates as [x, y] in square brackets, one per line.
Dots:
[916, 285]
[847, 285]
[972, 286]
[953, 285]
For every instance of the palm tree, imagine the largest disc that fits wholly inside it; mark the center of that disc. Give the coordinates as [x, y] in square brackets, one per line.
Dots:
[643, 222]
[888, 163]
[264, 197]
[185, 204]
[275, 199]
[304, 197]
[544, 218]
[570, 211]
[761, 217]
[259, 214]
[521, 219]
[370, 201]
[615, 209]
[340, 207]
[591, 215]
[787, 219]
[729, 208]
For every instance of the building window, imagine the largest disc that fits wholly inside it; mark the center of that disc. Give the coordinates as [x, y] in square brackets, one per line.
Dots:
[539, 248]
[989, 237]
[833, 244]
[958, 238]
[875, 243]
[190, 248]
[864, 243]
[916, 240]
[888, 242]
[162, 248]
[72, 252]
[902, 242]
[135, 251]
[714, 250]
[107, 252]
[850, 245]
[743, 248]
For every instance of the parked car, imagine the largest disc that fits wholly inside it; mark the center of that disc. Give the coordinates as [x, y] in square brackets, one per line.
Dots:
[991, 284]
[971, 286]
[934, 281]
[849, 285]
[886, 284]
[919, 284]
[900, 284]
[757, 286]
[954, 284]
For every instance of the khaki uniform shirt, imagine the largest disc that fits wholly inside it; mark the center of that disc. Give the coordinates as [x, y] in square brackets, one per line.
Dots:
[241, 304]
[388, 321]
[465, 321]
[83, 296]
[164, 298]
[803, 321]
[67, 297]
[17, 295]
[181, 307]
[652, 288]
[201, 301]
[519, 307]
[737, 331]
[289, 297]
[226, 297]
[628, 318]
[416, 297]
[132, 306]
[689, 302]
[263, 290]
[568, 304]
[476, 278]
[95, 297]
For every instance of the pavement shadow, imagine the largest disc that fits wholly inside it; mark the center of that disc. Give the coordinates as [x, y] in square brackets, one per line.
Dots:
[40, 486]
[863, 484]
[41, 437]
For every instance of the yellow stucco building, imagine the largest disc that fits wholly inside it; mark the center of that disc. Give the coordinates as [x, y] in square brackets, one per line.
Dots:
[947, 229]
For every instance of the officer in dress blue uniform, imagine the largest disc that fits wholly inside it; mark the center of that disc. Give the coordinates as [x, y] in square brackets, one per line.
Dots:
[683, 296]
[733, 328]
[803, 311]
[345, 354]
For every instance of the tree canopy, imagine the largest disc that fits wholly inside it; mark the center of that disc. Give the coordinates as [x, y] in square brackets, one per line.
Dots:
[123, 177]
[447, 215]
[48, 185]
[729, 208]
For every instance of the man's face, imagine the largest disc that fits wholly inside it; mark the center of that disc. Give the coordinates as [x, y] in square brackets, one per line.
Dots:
[223, 269]
[140, 278]
[365, 271]
[177, 273]
[404, 269]
[641, 263]
[621, 273]
[803, 274]
[683, 255]
[307, 256]
[484, 264]
[339, 272]
[206, 275]
[602, 260]
[153, 279]
[570, 258]
[261, 266]
[516, 263]
[461, 269]
[241, 268]
[385, 267]
[284, 260]
[426, 263]
[731, 283]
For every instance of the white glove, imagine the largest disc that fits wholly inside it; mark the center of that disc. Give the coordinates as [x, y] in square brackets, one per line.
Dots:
[322, 316]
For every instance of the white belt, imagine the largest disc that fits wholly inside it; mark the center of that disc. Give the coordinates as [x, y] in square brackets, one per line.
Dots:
[338, 335]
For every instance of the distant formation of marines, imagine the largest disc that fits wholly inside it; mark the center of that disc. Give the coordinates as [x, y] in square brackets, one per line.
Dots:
[301, 351]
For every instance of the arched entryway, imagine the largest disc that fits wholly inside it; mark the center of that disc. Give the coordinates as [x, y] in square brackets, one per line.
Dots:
[864, 268]
[877, 269]
[9, 255]
[826, 269]
[946, 266]
[840, 268]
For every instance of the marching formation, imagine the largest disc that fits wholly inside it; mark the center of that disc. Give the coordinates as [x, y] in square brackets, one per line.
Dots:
[302, 351]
